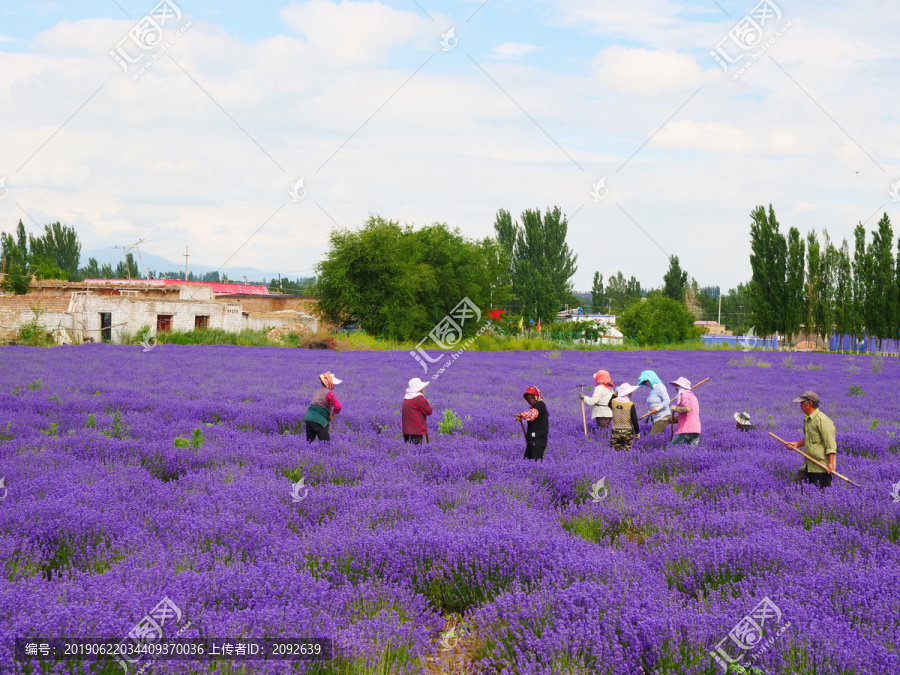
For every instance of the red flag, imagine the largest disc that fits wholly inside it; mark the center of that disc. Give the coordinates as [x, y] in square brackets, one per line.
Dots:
[539, 324]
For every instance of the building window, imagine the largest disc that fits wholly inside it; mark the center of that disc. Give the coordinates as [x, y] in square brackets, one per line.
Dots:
[201, 322]
[163, 323]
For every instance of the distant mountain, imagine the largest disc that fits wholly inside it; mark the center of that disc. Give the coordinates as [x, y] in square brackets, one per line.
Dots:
[161, 265]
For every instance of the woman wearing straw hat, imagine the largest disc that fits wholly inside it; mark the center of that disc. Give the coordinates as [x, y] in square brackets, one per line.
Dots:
[600, 399]
[624, 418]
[416, 410]
[538, 424]
[322, 408]
[688, 409]
[742, 422]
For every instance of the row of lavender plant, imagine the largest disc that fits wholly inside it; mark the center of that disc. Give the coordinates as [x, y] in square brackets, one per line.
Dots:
[134, 476]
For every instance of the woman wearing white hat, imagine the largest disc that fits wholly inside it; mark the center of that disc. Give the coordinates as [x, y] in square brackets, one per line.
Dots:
[743, 422]
[322, 408]
[416, 410]
[688, 409]
[624, 418]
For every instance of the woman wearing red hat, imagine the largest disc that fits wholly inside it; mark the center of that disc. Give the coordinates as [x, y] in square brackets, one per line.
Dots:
[600, 399]
[538, 425]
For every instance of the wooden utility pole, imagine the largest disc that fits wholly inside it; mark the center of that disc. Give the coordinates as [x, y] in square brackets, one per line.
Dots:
[186, 256]
[720, 309]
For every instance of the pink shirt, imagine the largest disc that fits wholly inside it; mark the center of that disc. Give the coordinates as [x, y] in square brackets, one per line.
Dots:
[689, 422]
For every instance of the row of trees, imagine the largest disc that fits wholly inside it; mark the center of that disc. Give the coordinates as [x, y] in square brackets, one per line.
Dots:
[815, 283]
[400, 282]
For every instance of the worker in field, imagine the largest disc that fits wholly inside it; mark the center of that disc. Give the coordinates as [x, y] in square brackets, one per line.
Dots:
[603, 393]
[818, 442]
[658, 401]
[742, 422]
[538, 424]
[415, 412]
[323, 407]
[687, 406]
[624, 418]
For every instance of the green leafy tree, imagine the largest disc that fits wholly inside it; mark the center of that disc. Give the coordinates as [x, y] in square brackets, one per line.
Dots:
[675, 280]
[861, 280]
[794, 286]
[657, 321]
[843, 292]
[91, 270]
[598, 297]
[57, 248]
[826, 317]
[883, 298]
[541, 262]
[768, 260]
[106, 272]
[402, 282]
[812, 308]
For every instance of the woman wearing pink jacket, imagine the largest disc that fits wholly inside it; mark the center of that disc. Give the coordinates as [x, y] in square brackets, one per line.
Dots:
[688, 409]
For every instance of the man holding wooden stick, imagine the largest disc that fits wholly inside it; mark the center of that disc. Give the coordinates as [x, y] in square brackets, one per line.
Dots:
[818, 440]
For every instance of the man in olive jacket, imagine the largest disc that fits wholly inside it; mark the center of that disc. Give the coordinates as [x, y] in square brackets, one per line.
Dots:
[818, 442]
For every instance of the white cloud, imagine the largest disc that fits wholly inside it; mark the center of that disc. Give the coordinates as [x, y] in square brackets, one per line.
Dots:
[513, 50]
[157, 159]
[355, 32]
[648, 72]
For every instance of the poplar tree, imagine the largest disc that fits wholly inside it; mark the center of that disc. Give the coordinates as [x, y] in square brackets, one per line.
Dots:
[860, 281]
[768, 261]
[794, 302]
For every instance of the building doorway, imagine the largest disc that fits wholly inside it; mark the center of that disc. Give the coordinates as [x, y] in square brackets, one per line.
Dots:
[106, 326]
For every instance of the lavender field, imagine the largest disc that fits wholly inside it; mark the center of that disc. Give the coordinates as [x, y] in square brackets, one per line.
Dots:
[130, 477]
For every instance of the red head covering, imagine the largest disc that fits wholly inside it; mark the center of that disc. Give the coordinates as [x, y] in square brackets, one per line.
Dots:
[535, 391]
[602, 377]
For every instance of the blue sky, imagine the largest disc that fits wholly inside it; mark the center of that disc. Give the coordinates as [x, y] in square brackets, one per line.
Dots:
[533, 104]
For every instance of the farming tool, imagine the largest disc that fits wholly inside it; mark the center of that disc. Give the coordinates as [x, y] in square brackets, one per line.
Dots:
[583, 417]
[692, 389]
[814, 461]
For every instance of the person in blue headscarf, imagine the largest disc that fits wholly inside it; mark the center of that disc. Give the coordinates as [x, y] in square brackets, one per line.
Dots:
[657, 401]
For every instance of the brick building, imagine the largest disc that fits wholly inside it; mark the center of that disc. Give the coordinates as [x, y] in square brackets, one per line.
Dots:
[101, 310]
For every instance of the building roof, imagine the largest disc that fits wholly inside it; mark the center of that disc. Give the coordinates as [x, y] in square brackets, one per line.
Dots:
[217, 288]
[706, 323]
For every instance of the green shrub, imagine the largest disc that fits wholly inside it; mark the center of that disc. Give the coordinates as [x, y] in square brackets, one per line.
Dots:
[659, 320]
[451, 422]
[855, 390]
